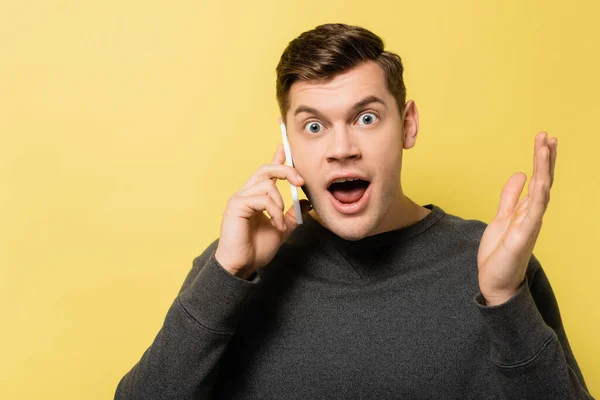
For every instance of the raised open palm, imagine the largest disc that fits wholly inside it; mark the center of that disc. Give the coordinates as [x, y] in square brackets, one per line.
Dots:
[508, 241]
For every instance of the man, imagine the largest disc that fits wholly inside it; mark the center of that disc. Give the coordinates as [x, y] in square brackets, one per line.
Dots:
[374, 296]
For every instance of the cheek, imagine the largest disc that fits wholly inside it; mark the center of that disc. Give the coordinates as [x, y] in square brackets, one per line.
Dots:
[306, 161]
[383, 155]
[387, 168]
[393, 163]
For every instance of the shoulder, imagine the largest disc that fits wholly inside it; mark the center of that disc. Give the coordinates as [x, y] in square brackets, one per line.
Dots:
[473, 229]
[469, 229]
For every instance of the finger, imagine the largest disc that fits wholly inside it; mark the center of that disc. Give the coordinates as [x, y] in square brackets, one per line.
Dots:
[532, 221]
[264, 187]
[290, 215]
[279, 157]
[538, 143]
[250, 205]
[543, 170]
[509, 197]
[542, 162]
[540, 140]
[273, 171]
[540, 194]
[553, 144]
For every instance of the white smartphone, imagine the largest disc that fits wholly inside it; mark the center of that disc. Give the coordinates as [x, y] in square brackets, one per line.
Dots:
[290, 162]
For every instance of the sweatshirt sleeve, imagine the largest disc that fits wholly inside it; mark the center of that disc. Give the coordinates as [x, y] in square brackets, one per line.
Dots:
[182, 360]
[528, 343]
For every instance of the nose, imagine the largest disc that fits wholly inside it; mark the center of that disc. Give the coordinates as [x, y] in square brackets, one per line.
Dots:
[342, 146]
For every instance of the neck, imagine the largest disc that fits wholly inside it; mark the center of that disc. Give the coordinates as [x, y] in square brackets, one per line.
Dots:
[403, 212]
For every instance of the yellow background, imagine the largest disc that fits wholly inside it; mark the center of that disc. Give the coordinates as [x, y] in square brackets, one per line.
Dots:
[125, 126]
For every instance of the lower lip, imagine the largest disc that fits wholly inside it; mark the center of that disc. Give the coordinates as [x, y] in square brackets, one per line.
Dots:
[351, 208]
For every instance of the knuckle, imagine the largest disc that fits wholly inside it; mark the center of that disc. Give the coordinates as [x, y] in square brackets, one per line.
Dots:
[267, 199]
[548, 183]
[265, 167]
[543, 183]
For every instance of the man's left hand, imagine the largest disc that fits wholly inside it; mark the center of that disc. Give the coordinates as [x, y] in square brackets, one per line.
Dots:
[508, 241]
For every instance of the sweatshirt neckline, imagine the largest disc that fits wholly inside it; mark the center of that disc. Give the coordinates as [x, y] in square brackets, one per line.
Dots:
[364, 254]
[403, 233]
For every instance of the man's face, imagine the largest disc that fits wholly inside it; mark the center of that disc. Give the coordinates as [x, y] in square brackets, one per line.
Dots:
[348, 129]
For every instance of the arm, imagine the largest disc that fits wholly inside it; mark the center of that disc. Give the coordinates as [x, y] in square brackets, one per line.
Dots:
[528, 343]
[180, 363]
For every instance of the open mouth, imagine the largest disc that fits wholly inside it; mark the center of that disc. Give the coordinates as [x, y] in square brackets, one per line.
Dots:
[348, 191]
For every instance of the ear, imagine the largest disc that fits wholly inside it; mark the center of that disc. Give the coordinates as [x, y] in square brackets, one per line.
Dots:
[410, 120]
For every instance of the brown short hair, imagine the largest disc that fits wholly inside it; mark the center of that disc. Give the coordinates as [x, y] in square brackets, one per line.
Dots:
[330, 49]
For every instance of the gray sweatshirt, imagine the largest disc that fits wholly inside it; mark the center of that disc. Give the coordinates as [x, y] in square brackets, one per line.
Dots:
[394, 315]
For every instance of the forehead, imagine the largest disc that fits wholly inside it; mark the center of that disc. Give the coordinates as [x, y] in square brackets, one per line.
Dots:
[342, 91]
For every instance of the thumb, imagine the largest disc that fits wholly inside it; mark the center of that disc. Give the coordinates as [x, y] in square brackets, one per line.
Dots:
[290, 215]
[511, 193]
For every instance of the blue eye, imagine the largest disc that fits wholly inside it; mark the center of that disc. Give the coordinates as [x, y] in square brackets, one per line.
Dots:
[313, 127]
[367, 118]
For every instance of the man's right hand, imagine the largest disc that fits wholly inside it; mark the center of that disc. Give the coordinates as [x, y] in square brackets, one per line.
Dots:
[249, 239]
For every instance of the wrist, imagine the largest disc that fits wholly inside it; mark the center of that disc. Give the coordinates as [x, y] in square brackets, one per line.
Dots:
[494, 296]
[242, 273]
[497, 298]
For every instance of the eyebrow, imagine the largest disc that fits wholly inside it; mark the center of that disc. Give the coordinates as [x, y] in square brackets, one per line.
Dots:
[367, 100]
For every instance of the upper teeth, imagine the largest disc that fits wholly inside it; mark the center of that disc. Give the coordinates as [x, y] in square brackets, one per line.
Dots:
[341, 180]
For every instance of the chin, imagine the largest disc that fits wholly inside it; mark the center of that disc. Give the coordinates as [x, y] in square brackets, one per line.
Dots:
[352, 235]
[349, 228]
